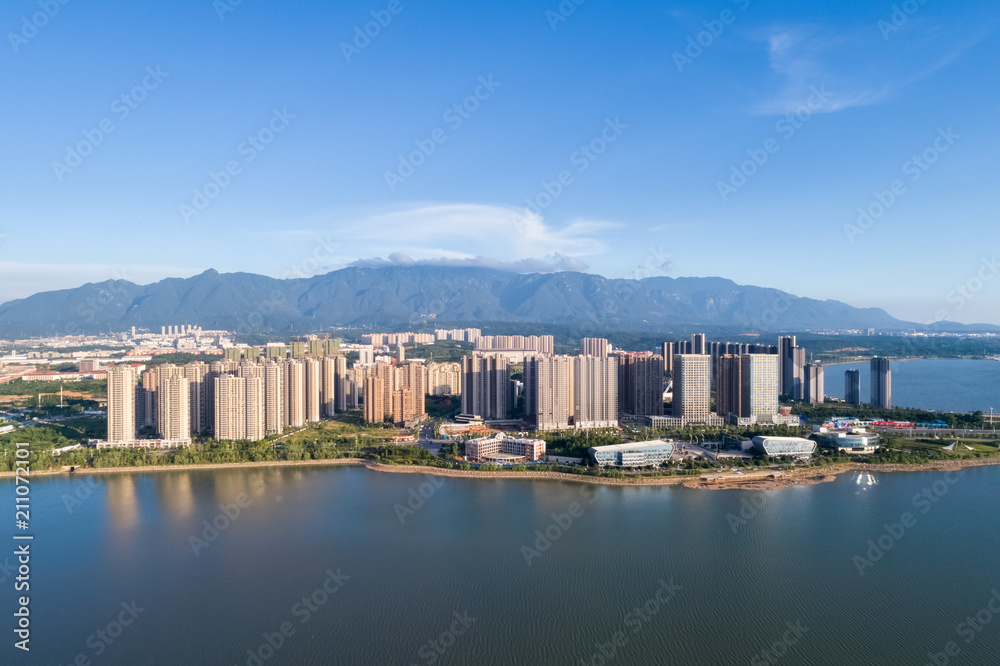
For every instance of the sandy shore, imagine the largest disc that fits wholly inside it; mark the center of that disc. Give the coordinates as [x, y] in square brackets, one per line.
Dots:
[764, 480]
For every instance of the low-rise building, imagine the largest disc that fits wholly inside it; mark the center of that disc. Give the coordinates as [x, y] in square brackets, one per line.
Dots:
[505, 449]
[633, 454]
[796, 447]
[855, 441]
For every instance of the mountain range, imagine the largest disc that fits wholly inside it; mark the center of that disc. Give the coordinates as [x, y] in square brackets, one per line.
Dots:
[407, 295]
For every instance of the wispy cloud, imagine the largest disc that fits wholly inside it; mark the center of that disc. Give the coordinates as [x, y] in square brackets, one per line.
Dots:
[859, 67]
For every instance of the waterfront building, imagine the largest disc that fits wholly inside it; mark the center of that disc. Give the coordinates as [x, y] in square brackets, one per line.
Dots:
[692, 386]
[758, 387]
[195, 373]
[173, 402]
[881, 383]
[814, 392]
[796, 447]
[595, 381]
[851, 440]
[852, 387]
[633, 454]
[486, 387]
[548, 391]
[121, 403]
[274, 398]
[502, 448]
[295, 390]
[373, 399]
[729, 386]
[313, 389]
[640, 385]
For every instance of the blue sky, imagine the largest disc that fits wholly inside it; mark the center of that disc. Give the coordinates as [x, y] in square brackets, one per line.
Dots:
[600, 137]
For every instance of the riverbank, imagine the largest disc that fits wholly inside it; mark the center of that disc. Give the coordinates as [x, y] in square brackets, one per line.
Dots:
[763, 480]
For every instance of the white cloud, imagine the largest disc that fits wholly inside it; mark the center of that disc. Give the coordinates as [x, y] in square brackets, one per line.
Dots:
[549, 264]
[505, 237]
[805, 56]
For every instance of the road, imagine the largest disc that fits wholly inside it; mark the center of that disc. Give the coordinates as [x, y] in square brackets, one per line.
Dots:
[426, 439]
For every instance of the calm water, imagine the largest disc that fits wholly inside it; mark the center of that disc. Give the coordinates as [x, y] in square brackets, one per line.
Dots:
[730, 583]
[946, 385]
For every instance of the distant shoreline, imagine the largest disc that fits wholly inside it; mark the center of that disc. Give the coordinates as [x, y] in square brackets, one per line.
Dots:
[763, 480]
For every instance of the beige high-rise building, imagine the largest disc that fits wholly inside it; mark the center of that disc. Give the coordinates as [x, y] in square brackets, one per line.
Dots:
[596, 392]
[195, 373]
[230, 408]
[174, 405]
[692, 386]
[374, 392]
[295, 390]
[548, 391]
[595, 347]
[387, 375]
[402, 405]
[216, 369]
[444, 379]
[274, 398]
[314, 389]
[413, 377]
[256, 402]
[328, 392]
[121, 403]
[759, 385]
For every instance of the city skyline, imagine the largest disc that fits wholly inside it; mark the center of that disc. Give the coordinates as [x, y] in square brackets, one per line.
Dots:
[511, 179]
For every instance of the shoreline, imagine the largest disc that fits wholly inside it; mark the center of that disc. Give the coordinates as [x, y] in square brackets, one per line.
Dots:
[763, 480]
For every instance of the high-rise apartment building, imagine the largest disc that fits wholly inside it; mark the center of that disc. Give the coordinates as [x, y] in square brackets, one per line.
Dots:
[145, 402]
[444, 379]
[813, 384]
[852, 387]
[173, 402]
[698, 345]
[595, 347]
[295, 394]
[328, 383]
[274, 398]
[548, 391]
[341, 382]
[640, 385]
[729, 386]
[881, 383]
[313, 389]
[256, 408]
[486, 387]
[595, 379]
[373, 401]
[121, 403]
[758, 386]
[230, 408]
[692, 386]
[195, 373]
